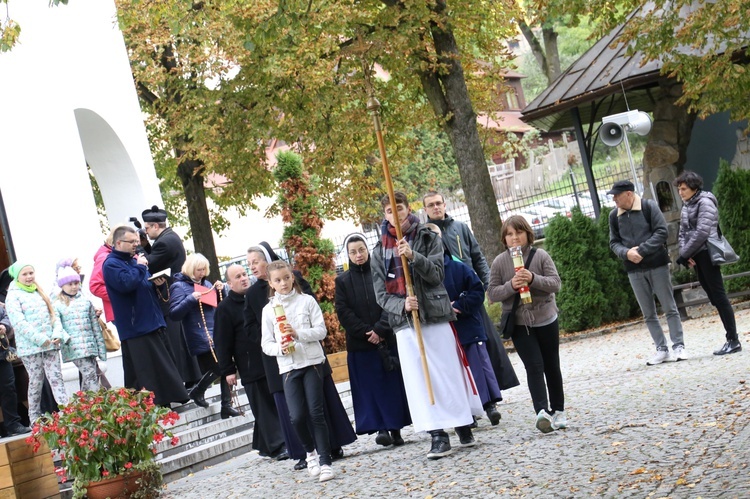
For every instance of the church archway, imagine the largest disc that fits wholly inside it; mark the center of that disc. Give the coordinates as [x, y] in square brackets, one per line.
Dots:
[112, 167]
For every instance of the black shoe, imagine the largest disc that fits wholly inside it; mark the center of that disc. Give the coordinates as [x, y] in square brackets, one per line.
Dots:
[383, 439]
[465, 436]
[198, 397]
[396, 437]
[731, 346]
[228, 412]
[441, 445]
[337, 454]
[17, 429]
[493, 414]
[474, 424]
[301, 464]
[280, 455]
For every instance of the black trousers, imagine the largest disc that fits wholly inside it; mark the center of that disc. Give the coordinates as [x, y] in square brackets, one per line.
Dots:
[709, 275]
[539, 349]
[303, 390]
[8, 398]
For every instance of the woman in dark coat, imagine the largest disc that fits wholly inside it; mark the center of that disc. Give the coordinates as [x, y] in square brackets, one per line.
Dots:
[377, 387]
[198, 326]
[699, 220]
[340, 428]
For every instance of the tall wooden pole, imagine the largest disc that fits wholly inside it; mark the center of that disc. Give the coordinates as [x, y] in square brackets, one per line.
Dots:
[374, 107]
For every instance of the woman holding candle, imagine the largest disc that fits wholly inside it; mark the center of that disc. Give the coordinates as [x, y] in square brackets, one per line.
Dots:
[537, 334]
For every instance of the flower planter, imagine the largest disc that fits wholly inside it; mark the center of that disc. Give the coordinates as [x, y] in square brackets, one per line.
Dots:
[339, 366]
[116, 487]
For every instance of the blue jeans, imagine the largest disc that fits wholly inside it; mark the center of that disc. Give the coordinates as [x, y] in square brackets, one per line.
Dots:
[646, 284]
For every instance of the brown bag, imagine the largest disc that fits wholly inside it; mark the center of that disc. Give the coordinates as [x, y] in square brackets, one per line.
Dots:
[111, 343]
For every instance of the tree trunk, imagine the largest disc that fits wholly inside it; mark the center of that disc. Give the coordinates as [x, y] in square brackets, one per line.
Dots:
[450, 100]
[190, 172]
[552, 55]
[536, 48]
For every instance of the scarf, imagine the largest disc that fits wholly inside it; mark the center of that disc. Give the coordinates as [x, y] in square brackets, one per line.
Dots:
[395, 283]
[28, 288]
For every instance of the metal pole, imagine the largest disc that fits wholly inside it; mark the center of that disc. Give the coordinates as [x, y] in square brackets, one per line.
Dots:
[374, 107]
[632, 163]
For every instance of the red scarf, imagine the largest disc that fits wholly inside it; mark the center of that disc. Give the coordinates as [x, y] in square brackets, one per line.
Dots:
[395, 283]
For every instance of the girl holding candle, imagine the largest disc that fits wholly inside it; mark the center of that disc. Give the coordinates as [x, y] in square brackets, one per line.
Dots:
[299, 325]
[537, 334]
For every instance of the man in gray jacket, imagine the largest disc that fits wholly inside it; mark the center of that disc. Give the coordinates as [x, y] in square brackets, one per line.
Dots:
[454, 400]
[637, 235]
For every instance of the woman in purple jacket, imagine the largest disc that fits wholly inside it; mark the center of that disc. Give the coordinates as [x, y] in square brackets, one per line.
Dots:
[198, 326]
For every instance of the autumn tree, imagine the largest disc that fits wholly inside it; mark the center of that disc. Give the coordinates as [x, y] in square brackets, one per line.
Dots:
[318, 58]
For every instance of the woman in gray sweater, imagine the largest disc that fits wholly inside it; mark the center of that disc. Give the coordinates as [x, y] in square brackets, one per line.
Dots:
[536, 335]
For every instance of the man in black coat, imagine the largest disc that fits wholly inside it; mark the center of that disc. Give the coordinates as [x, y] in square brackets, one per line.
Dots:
[237, 353]
[167, 252]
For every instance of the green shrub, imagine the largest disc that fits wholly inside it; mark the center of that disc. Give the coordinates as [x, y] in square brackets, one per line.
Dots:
[581, 300]
[732, 189]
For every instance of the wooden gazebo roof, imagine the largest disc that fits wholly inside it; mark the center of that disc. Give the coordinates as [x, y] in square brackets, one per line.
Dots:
[602, 71]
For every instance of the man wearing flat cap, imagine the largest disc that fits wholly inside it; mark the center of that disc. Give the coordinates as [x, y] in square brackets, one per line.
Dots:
[638, 236]
[168, 252]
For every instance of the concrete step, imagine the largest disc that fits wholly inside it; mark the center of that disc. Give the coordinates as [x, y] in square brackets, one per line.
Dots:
[189, 461]
[191, 437]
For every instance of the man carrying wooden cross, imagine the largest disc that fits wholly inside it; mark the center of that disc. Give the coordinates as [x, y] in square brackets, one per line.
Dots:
[455, 397]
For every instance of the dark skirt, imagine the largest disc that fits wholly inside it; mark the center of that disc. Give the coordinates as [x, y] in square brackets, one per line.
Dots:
[187, 365]
[378, 395]
[147, 363]
[340, 431]
[504, 372]
[268, 439]
[484, 375]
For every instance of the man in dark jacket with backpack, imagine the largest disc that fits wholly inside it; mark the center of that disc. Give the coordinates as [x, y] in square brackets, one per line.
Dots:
[637, 235]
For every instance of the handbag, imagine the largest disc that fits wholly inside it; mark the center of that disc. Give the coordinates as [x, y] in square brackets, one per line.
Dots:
[7, 352]
[720, 251]
[111, 343]
[508, 320]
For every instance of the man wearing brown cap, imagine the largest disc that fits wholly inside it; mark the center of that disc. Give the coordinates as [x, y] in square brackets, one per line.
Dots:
[167, 252]
[637, 235]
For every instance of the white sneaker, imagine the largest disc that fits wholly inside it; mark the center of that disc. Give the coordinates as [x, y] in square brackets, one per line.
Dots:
[679, 353]
[543, 422]
[559, 421]
[313, 463]
[326, 473]
[661, 356]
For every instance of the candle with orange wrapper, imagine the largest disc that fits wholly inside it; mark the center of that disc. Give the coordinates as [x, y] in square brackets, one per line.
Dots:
[517, 255]
[282, 322]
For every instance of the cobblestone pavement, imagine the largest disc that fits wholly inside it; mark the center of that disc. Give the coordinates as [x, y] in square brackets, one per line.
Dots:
[673, 430]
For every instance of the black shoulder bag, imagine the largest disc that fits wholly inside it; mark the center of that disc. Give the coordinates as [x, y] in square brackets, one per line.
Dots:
[508, 320]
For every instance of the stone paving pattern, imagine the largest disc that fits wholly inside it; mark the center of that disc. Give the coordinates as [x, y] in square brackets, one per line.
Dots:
[677, 430]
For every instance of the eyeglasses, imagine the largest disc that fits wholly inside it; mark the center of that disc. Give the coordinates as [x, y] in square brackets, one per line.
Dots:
[435, 204]
[132, 241]
[361, 251]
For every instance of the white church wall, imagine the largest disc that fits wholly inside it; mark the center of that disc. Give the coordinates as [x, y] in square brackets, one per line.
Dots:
[69, 98]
